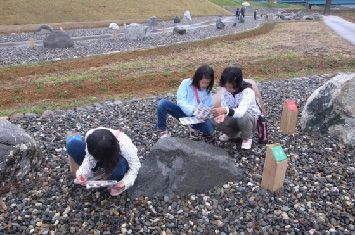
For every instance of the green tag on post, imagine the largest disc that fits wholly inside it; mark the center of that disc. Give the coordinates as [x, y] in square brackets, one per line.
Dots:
[278, 153]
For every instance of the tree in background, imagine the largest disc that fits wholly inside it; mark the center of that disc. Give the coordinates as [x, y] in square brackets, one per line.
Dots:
[328, 3]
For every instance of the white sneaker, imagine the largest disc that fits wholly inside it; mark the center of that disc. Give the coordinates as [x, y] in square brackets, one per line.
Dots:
[225, 137]
[164, 134]
[247, 144]
[193, 133]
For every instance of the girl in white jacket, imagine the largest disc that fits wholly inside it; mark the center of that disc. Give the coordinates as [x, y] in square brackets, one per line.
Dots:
[108, 152]
[239, 110]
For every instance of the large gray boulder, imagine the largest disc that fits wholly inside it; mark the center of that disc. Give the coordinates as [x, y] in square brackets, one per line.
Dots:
[179, 30]
[44, 29]
[187, 16]
[316, 16]
[136, 32]
[58, 39]
[300, 14]
[178, 166]
[19, 153]
[177, 19]
[152, 21]
[330, 110]
[219, 24]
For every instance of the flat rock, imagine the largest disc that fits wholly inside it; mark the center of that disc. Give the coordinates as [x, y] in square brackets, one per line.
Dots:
[177, 166]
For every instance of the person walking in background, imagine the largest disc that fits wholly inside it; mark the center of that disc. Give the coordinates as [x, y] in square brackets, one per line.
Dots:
[190, 94]
[242, 12]
[255, 13]
[237, 14]
[239, 110]
[105, 154]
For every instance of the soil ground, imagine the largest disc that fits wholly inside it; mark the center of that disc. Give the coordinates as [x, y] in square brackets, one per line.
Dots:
[271, 52]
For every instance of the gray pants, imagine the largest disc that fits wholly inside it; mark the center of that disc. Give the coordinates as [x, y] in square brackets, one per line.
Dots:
[245, 124]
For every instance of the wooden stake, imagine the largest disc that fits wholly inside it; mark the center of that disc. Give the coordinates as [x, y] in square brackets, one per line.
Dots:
[163, 31]
[72, 164]
[289, 117]
[124, 25]
[274, 168]
[32, 42]
[114, 35]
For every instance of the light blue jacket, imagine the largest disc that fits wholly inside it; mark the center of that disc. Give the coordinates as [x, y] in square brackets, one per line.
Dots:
[186, 98]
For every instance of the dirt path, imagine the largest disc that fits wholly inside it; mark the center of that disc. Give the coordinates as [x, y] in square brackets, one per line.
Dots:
[278, 51]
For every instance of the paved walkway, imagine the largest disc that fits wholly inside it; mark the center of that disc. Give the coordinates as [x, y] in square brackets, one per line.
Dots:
[343, 28]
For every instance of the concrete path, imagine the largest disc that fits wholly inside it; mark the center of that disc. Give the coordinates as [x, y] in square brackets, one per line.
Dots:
[343, 28]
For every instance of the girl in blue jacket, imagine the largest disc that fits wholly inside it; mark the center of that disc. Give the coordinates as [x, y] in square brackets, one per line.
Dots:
[190, 93]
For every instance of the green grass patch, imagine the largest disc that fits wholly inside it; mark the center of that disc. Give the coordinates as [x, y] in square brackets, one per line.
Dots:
[166, 74]
[67, 78]
[78, 84]
[17, 98]
[173, 80]
[183, 74]
[139, 64]
[116, 82]
[151, 78]
[17, 91]
[103, 88]
[139, 83]
[62, 94]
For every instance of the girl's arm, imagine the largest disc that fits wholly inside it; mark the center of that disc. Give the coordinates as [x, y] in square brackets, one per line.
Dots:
[248, 98]
[186, 105]
[129, 151]
[85, 168]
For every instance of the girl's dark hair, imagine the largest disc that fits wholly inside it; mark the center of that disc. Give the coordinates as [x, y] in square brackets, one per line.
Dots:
[104, 147]
[206, 72]
[232, 75]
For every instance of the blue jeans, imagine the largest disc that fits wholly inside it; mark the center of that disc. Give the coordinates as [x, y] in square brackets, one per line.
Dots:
[166, 106]
[76, 149]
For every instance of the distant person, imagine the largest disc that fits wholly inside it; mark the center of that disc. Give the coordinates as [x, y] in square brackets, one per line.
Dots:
[242, 12]
[255, 13]
[239, 109]
[237, 14]
[191, 92]
[105, 154]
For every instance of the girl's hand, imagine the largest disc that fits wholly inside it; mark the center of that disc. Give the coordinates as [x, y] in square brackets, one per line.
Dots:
[81, 179]
[118, 188]
[219, 111]
[220, 119]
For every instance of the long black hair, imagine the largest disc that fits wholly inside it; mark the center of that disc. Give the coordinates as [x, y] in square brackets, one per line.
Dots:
[104, 147]
[206, 72]
[234, 76]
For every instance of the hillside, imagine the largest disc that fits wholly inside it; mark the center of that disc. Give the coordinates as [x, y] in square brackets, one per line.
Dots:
[18, 12]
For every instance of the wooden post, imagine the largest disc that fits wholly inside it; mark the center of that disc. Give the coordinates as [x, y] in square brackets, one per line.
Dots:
[163, 31]
[32, 42]
[114, 35]
[124, 25]
[274, 168]
[289, 117]
[72, 164]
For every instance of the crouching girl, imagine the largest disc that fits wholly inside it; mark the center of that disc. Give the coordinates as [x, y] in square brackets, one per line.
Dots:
[239, 110]
[106, 154]
[190, 93]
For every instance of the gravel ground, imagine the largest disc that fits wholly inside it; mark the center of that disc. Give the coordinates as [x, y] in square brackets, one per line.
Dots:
[317, 197]
[22, 55]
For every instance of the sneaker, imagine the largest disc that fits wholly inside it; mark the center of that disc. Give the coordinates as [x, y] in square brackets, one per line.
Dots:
[164, 134]
[225, 137]
[247, 144]
[193, 133]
